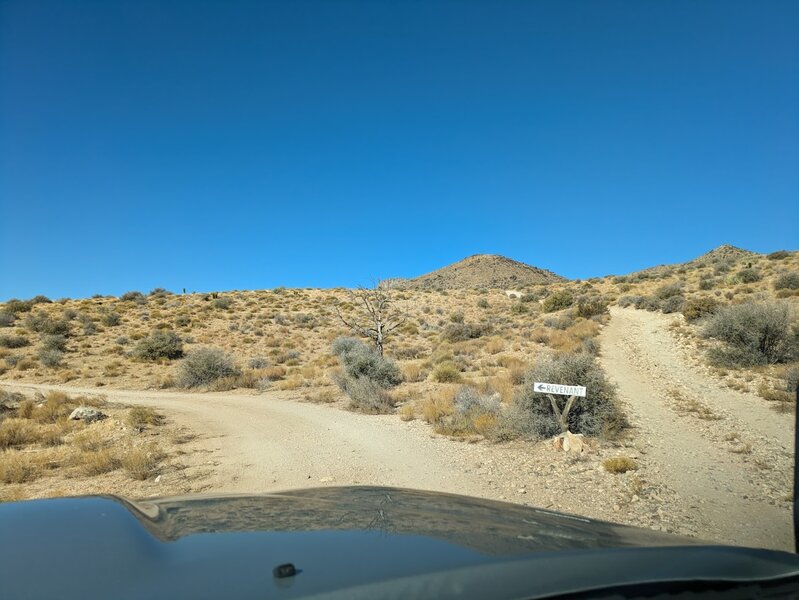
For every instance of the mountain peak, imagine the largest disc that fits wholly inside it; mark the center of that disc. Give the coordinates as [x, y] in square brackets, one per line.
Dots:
[484, 271]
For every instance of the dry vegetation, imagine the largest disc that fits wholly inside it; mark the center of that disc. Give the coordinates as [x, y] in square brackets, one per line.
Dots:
[737, 310]
[479, 339]
[44, 453]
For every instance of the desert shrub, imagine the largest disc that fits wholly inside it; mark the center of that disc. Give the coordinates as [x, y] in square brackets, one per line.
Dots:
[16, 432]
[50, 357]
[13, 341]
[707, 283]
[753, 334]
[223, 303]
[722, 266]
[456, 317]
[471, 412]
[7, 319]
[458, 332]
[519, 309]
[132, 296]
[698, 308]
[53, 342]
[468, 400]
[530, 297]
[111, 318]
[748, 275]
[12, 359]
[598, 414]
[344, 345]
[160, 292]
[161, 343]
[562, 322]
[787, 281]
[360, 361]
[15, 306]
[41, 323]
[650, 303]
[482, 303]
[626, 301]
[258, 362]
[141, 463]
[779, 255]
[619, 464]
[672, 304]
[18, 467]
[366, 395]
[203, 366]
[446, 372]
[591, 307]
[141, 416]
[558, 301]
[669, 290]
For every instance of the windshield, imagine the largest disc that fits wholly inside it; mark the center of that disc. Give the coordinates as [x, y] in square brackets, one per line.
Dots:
[541, 253]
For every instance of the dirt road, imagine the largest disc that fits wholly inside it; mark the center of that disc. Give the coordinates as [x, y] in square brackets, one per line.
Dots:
[732, 465]
[270, 442]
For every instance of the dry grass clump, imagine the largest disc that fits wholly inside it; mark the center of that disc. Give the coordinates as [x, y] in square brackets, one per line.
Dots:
[97, 462]
[141, 416]
[407, 412]
[141, 463]
[438, 405]
[462, 412]
[15, 432]
[17, 467]
[446, 372]
[619, 464]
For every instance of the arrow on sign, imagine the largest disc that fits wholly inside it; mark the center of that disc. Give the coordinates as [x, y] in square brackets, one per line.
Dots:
[556, 388]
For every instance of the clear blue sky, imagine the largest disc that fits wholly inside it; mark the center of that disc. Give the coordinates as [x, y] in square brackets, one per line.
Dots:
[240, 145]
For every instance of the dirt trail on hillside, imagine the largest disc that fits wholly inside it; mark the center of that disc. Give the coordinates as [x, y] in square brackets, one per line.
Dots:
[732, 467]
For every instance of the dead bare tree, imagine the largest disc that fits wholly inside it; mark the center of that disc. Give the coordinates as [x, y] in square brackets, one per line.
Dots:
[378, 314]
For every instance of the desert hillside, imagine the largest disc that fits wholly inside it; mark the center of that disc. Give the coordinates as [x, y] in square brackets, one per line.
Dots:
[483, 271]
[460, 359]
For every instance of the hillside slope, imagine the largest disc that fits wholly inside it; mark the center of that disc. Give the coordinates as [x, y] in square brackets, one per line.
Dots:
[725, 253]
[483, 271]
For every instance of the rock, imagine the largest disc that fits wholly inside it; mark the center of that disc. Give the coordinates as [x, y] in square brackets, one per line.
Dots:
[570, 442]
[86, 413]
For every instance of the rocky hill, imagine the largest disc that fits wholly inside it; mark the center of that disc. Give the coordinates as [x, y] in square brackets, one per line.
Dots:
[482, 271]
[724, 253]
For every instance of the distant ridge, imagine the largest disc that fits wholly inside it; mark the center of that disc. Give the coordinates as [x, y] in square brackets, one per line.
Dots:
[723, 253]
[481, 271]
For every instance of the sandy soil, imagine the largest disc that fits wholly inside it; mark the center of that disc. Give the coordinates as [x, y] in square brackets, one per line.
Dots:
[732, 470]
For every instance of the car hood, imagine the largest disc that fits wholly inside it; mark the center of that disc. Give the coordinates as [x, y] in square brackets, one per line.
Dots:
[341, 540]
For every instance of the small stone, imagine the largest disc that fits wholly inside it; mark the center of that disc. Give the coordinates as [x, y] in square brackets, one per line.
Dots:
[87, 414]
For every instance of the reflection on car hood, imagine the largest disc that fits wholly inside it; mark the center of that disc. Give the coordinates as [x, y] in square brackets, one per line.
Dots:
[344, 540]
[483, 525]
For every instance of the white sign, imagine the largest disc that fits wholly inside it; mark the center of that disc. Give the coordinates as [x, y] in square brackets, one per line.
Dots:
[563, 390]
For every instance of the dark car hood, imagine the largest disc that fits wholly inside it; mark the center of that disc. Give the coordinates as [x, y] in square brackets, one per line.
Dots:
[345, 540]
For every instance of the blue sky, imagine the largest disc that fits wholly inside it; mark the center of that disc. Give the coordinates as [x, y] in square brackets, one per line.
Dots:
[240, 145]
